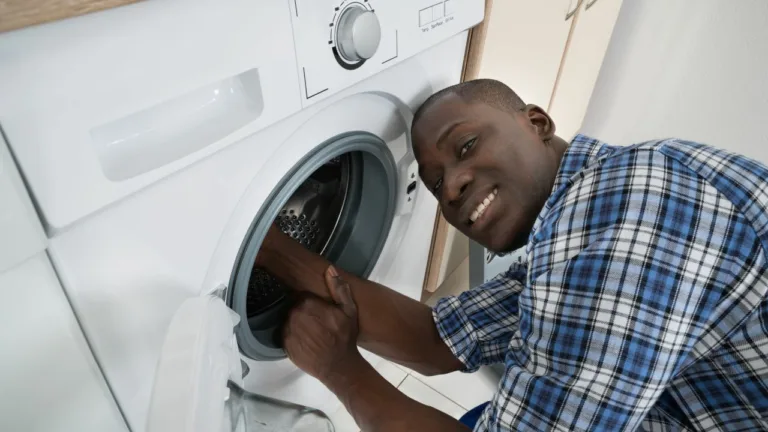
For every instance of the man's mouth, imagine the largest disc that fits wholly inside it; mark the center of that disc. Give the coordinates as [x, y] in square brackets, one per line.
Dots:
[482, 207]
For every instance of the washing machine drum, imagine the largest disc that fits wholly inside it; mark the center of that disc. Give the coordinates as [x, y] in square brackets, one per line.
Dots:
[310, 217]
[338, 201]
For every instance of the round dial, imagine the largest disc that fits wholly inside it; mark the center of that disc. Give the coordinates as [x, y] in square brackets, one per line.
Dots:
[358, 34]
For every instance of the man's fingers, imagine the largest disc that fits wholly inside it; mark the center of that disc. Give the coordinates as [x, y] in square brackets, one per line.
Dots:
[340, 291]
[295, 326]
[332, 281]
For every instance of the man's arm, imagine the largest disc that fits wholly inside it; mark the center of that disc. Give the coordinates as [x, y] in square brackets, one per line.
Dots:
[320, 337]
[392, 325]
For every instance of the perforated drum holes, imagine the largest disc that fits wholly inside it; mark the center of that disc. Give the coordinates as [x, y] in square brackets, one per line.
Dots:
[299, 227]
[310, 217]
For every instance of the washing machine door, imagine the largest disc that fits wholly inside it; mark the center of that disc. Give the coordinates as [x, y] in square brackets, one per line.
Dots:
[198, 359]
[199, 380]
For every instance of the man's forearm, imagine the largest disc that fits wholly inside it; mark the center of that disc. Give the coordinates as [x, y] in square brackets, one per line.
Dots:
[391, 325]
[377, 406]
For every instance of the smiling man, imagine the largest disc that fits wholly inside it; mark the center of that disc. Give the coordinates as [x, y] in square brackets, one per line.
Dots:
[642, 304]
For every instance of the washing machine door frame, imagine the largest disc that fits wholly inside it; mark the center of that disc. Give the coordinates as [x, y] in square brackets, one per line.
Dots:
[378, 115]
[202, 354]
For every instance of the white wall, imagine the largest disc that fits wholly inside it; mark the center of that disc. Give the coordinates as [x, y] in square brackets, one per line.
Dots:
[694, 69]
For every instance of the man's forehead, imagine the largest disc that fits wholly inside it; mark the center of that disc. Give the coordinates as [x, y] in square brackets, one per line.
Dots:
[447, 110]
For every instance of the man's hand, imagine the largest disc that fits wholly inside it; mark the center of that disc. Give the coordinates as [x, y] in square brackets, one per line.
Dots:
[391, 325]
[321, 337]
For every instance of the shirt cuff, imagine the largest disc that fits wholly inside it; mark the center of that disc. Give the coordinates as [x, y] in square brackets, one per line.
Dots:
[456, 330]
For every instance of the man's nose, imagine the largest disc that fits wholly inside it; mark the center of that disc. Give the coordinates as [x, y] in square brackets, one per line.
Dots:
[456, 184]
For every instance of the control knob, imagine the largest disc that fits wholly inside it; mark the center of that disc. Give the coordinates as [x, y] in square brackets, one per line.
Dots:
[358, 34]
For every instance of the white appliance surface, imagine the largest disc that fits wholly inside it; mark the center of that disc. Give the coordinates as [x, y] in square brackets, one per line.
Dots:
[21, 234]
[100, 106]
[691, 69]
[128, 267]
[49, 379]
[46, 362]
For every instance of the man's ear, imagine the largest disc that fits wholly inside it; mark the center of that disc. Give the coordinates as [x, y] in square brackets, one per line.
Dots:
[541, 121]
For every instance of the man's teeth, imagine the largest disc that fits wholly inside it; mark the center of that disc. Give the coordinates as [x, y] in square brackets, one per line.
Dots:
[483, 205]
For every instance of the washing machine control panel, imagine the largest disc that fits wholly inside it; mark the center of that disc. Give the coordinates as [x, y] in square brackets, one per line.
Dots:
[341, 42]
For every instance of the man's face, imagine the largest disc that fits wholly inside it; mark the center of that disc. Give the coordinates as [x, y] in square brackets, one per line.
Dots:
[489, 169]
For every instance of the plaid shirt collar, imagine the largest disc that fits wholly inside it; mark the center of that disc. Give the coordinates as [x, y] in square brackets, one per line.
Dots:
[581, 152]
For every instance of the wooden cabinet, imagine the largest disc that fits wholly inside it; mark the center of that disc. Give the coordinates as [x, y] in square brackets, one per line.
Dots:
[581, 63]
[524, 45]
[549, 52]
[16, 14]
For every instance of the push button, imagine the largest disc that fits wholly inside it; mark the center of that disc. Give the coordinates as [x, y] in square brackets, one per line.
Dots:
[425, 16]
[450, 6]
[437, 11]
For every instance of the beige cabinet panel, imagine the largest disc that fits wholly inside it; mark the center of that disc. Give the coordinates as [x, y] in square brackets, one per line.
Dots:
[524, 44]
[581, 64]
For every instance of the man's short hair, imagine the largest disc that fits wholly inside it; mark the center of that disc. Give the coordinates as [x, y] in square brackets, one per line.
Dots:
[487, 91]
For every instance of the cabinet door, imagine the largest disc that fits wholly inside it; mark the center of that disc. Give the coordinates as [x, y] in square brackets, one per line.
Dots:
[581, 64]
[49, 379]
[524, 44]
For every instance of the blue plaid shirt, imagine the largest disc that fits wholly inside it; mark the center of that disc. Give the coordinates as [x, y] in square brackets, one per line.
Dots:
[643, 301]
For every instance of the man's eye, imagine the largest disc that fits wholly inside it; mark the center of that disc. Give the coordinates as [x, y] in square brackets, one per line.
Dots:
[437, 185]
[468, 145]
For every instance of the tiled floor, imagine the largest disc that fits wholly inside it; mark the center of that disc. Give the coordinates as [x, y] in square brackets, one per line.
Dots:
[454, 393]
[423, 393]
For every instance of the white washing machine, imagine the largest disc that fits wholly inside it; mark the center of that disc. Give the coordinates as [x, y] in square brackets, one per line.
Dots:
[160, 140]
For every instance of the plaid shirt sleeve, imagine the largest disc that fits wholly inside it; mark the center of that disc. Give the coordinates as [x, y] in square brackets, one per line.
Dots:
[603, 334]
[478, 324]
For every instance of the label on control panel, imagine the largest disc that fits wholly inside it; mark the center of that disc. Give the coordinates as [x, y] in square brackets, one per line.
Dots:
[436, 15]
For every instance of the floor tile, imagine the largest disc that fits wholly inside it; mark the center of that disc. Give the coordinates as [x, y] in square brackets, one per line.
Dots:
[390, 372]
[420, 392]
[343, 421]
[467, 390]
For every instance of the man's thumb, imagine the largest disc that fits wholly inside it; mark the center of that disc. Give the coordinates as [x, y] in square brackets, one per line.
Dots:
[340, 291]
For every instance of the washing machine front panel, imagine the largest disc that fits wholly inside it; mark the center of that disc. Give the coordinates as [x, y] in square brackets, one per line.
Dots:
[127, 268]
[100, 106]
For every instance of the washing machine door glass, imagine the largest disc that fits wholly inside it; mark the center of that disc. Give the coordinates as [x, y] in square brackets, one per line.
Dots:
[198, 383]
